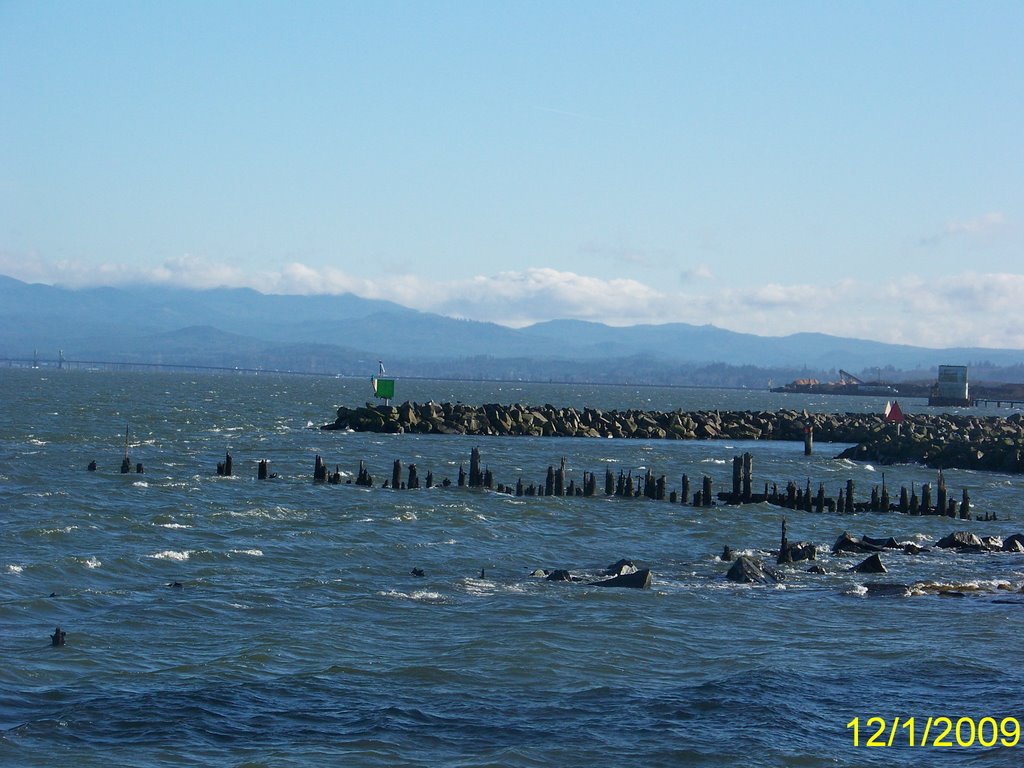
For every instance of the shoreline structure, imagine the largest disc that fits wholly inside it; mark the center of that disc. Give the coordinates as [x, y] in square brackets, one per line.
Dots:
[940, 441]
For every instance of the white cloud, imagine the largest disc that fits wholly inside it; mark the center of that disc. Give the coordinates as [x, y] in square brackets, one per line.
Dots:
[979, 224]
[699, 272]
[968, 309]
[977, 227]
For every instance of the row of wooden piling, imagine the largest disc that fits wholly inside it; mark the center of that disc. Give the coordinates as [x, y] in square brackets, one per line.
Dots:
[794, 497]
[647, 485]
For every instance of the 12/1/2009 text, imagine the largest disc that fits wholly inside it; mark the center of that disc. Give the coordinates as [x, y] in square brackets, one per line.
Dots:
[935, 732]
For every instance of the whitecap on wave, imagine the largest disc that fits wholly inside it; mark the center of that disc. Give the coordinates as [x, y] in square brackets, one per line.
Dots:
[420, 596]
[52, 531]
[90, 562]
[12, 568]
[170, 554]
[252, 552]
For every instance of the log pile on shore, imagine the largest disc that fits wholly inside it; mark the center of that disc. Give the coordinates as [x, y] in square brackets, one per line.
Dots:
[940, 440]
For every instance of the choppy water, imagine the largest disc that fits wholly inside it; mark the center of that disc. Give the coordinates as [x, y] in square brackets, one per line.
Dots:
[299, 637]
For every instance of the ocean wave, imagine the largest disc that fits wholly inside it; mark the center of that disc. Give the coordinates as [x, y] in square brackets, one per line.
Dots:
[90, 562]
[15, 569]
[170, 554]
[54, 531]
[251, 552]
[419, 596]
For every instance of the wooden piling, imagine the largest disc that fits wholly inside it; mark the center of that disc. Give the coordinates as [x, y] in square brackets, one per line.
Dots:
[748, 476]
[396, 474]
[475, 477]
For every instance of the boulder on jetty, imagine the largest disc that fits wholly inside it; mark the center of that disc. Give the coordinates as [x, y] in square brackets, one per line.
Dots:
[939, 440]
[750, 570]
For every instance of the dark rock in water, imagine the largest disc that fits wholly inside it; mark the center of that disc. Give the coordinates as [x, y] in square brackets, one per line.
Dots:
[559, 575]
[59, 637]
[817, 569]
[847, 543]
[962, 541]
[175, 585]
[417, 572]
[889, 543]
[727, 554]
[912, 549]
[621, 567]
[637, 579]
[92, 466]
[872, 565]
[750, 570]
[801, 550]
[885, 589]
[1014, 543]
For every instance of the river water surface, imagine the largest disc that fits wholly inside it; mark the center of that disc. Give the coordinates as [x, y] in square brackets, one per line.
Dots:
[299, 637]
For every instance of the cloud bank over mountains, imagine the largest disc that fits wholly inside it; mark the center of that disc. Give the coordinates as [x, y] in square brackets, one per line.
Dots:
[966, 309]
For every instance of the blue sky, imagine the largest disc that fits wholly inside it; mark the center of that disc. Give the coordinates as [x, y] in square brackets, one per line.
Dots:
[851, 168]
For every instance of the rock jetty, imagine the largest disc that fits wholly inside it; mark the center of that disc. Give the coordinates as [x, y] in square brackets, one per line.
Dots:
[940, 440]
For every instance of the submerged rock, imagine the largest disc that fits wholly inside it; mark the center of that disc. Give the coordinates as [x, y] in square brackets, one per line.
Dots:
[962, 541]
[1014, 543]
[750, 570]
[871, 565]
[636, 579]
[847, 543]
[885, 589]
[620, 568]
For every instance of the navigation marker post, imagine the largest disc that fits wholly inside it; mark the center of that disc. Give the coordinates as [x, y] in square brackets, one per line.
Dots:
[383, 388]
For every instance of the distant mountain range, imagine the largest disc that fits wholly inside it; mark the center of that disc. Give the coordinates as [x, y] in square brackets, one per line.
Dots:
[346, 334]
